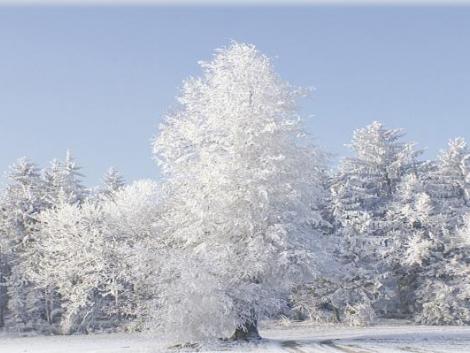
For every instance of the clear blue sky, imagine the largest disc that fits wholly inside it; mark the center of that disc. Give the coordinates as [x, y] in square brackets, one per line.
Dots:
[97, 80]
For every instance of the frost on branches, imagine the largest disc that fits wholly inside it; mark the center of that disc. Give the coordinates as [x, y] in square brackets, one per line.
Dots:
[246, 224]
[131, 214]
[63, 182]
[362, 191]
[21, 202]
[113, 181]
[240, 223]
[440, 262]
[74, 242]
[449, 182]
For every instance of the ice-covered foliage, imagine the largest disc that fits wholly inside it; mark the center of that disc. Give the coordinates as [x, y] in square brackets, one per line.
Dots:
[366, 182]
[22, 200]
[445, 291]
[113, 181]
[240, 223]
[339, 299]
[437, 250]
[436, 268]
[413, 222]
[247, 223]
[131, 215]
[449, 183]
[443, 304]
[95, 258]
[313, 302]
[360, 314]
[419, 248]
[63, 182]
[362, 191]
[74, 244]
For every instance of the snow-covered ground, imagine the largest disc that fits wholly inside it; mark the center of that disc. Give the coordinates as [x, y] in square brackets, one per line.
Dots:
[296, 338]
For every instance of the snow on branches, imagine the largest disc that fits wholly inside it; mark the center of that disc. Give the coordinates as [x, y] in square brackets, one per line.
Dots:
[246, 223]
[240, 221]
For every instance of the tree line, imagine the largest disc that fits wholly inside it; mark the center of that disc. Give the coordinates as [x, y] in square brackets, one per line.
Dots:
[248, 222]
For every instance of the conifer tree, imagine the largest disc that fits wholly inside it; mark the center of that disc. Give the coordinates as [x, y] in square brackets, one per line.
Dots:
[449, 183]
[362, 191]
[113, 181]
[414, 222]
[63, 182]
[22, 201]
[441, 261]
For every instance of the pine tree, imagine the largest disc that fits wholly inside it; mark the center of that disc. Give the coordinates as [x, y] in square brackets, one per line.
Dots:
[112, 182]
[429, 258]
[414, 222]
[63, 180]
[449, 183]
[239, 222]
[442, 263]
[22, 201]
[361, 193]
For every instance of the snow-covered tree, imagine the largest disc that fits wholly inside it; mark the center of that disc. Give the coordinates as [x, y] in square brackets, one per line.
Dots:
[131, 215]
[63, 182]
[113, 181]
[443, 293]
[449, 182]
[362, 191]
[366, 182]
[238, 228]
[73, 241]
[441, 262]
[414, 222]
[430, 260]
[96, 257]
[22, 200]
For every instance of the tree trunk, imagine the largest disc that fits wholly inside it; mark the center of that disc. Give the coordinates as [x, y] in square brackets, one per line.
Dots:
[247, 332]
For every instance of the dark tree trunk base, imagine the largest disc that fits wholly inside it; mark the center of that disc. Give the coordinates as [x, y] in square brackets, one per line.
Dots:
[247, 333]
[186, 345]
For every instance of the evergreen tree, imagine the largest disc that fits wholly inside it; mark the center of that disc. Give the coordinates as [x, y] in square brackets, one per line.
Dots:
[22, 201]
[441, 261]
[63, 181]
[414, 222]
[112, 182]
[362, 191]
[449, 183]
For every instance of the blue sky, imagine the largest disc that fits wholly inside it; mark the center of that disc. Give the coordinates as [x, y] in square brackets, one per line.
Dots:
[97, 80]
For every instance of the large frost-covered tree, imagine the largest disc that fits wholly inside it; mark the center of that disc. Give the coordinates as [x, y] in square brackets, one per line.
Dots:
[242, 189]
